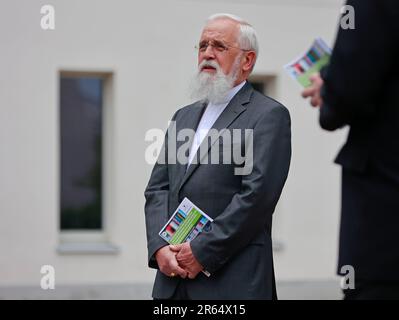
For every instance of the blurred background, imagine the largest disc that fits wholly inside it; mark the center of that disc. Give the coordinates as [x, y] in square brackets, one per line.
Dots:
[75, 105]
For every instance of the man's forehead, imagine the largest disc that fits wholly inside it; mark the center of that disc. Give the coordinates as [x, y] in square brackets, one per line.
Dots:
[221, 29]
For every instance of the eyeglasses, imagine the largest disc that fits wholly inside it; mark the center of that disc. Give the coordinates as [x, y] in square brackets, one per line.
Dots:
[216, 45]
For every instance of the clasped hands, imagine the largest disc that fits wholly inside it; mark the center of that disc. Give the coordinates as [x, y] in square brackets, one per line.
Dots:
[178, 260]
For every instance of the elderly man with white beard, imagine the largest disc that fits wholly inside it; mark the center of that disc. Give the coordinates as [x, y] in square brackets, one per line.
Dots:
[236, 250]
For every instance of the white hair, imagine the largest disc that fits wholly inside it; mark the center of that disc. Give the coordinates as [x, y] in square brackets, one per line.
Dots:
[247, 37]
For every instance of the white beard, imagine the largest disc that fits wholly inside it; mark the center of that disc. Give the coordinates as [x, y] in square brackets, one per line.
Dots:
[213, 88]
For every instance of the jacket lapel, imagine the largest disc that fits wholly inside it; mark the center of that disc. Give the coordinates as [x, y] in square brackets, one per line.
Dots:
[232, 111]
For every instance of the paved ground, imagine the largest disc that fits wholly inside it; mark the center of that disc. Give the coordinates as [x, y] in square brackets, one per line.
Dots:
[309, 290]
[287, 290]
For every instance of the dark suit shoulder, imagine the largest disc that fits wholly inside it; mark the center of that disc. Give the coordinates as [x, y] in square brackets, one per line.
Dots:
[189, 108]
[263, 104]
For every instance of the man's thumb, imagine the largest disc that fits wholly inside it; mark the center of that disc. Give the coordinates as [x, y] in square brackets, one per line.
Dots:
[175, 247]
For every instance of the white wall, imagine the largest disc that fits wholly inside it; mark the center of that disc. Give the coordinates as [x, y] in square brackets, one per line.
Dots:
[149, 47]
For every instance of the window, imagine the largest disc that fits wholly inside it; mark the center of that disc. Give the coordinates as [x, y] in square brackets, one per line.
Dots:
[264, 84]
[81, 104]
[259, 86]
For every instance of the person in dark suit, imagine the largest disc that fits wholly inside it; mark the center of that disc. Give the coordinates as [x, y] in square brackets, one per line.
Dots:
[237, 248]
[360, 89]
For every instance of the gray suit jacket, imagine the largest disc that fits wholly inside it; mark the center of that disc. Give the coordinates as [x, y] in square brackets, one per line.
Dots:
[237, 250]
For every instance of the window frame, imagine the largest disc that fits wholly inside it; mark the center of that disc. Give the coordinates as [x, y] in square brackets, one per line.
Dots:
[92, 241]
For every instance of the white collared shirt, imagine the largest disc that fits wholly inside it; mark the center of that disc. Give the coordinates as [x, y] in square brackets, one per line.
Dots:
[211, 114]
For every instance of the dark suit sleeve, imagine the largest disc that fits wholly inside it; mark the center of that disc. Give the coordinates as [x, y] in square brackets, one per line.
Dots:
[359, 66]
[157, 203]
[252, 207]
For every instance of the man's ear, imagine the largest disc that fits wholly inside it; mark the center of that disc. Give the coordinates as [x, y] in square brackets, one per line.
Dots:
[249, 60]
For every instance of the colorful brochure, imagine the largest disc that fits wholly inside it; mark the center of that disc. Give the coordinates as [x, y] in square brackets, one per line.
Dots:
[309, 63]
[185, 224]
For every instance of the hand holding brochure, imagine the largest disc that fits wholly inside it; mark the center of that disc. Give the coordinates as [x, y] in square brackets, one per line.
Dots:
[309, 63]
[185, 224]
